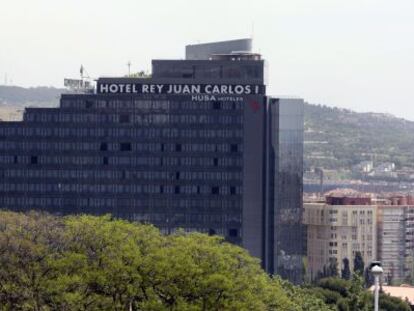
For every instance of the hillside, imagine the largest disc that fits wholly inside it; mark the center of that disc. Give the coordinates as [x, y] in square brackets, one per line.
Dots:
[334, 138]
[14, 98]
[339, 138]
[19, 96]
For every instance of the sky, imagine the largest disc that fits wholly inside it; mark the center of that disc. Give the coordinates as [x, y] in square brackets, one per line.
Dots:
[355, 54]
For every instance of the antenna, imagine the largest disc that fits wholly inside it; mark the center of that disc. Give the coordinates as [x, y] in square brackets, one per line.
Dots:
[252, 33]
[79, 85]
[129, 68]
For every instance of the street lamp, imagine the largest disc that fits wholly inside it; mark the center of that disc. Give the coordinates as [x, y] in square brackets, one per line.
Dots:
[377, 271]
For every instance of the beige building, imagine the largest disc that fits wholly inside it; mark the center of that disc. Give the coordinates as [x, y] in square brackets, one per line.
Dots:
[337, 229]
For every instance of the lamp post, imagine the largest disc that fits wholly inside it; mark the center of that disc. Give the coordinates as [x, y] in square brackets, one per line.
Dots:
[377, 272]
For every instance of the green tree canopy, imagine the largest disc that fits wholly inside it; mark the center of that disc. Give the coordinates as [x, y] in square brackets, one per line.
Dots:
[359, 264]
[101, 263]
[350, 295]
[346, 271]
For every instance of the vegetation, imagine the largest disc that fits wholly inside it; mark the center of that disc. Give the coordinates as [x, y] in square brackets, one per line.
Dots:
[19, 96]
[99, 263]
[350, 295]
[139, 74]
[339, 138]
[346, 271]
[359, 264]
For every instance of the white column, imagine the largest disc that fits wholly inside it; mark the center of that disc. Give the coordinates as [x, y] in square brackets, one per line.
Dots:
[376, 294]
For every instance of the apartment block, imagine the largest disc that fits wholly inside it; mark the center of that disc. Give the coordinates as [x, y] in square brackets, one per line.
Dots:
[396, 239]
[338, 228]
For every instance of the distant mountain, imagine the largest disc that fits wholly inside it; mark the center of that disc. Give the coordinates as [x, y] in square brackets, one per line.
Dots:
[334, 138]
[339, 138]
[19, 96]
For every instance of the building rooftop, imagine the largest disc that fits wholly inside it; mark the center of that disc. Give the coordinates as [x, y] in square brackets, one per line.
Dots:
[206, 50]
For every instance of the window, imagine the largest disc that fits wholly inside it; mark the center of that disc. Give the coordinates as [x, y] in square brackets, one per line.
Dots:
[216, 105]
[125, 147]
[233, 232]
[124, 118]
[215, 190]
[232, 190]
[178, 147]
[188, 75]
[177, 189]
[89, 103]
[104, 147]
[105, 160]
[233, 148]
[33, 160]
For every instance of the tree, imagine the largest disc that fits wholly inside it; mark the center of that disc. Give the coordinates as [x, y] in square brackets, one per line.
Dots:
[27, 246]
[350, 295]
[388, 303]
[390, 275]
[328, 271]
[333, 267]
[308, 297]
[346, 271]
[335, 284]
[139, 74]
[359, 264]
[368, 278]
[359, 299]
[101, 263]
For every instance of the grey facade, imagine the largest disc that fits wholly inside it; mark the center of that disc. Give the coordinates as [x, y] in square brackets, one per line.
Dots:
[396, 242]
[197, 146]
[206, 50]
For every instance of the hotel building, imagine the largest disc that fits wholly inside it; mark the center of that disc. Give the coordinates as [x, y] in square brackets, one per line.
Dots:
[198, 145]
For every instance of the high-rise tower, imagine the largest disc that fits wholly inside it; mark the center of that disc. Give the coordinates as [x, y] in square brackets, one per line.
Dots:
[198, 145]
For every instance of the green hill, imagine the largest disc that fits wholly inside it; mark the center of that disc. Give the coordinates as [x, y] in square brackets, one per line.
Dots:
[339, 138]
[19, 96]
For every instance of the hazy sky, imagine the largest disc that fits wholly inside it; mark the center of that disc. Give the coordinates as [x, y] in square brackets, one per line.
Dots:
[356, 54]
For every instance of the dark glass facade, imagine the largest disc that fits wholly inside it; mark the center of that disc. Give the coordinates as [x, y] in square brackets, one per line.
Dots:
[198, 146]
[286, 161]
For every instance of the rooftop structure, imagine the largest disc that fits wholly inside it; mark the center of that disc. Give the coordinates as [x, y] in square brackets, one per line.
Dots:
[206, 51]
